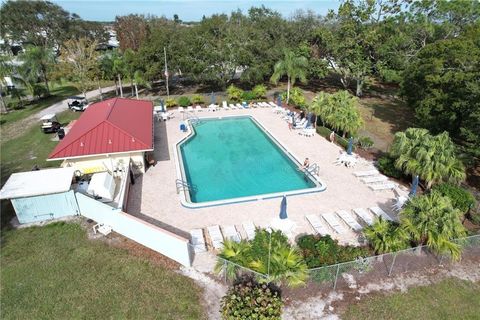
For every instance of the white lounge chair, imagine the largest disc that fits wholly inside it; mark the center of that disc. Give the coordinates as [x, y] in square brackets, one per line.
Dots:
[310, 132]
[232, 106]
[272, 104]
[366, 173]
[374, 179]
[197, 240]
[381, 187]
[362, 213]
[190, 109]
[349, 220]
[225, 106]
[316, 224]
[333, 222]
[380, 213]
[249, 228]
[198, 108]
[216, 237]
[239, 106]
[399, 203]
[231, 233]
[181, 109]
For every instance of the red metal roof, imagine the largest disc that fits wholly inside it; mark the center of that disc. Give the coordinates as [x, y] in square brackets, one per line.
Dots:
[111, 126]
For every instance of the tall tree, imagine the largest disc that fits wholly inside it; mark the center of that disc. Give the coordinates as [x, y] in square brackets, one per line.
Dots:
[38, 62]
[443, 86]
[294, 67]
[79, 61]
[432, 158]
[132, 31]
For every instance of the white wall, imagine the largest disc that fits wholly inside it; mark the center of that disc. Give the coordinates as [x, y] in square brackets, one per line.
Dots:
[169, 244]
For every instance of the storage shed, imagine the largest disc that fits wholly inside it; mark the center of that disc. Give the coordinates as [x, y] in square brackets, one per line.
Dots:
[41, 195]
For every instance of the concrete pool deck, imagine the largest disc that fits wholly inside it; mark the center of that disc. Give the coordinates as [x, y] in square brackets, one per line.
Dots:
[154, 194]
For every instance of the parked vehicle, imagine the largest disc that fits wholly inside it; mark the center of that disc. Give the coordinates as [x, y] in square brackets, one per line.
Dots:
[50, 123]
[77, 103]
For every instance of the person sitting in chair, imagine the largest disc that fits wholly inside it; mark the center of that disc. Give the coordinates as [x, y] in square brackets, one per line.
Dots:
[306, 164]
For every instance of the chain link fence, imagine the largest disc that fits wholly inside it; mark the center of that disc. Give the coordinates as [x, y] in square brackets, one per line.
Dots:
[362, 270]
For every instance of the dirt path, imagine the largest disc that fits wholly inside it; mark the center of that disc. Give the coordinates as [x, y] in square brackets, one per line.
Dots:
[11, 131]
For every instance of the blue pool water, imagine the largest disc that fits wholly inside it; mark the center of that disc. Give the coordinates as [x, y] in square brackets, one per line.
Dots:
[233, 157]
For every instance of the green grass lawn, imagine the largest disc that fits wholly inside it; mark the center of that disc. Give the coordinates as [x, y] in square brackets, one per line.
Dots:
[57, 94]
[55, 272]
[449, 299]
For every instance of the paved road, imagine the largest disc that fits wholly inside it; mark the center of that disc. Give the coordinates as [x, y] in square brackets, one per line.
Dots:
[11, 131]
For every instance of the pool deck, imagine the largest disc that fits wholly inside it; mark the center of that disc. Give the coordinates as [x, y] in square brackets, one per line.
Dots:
[154, 195]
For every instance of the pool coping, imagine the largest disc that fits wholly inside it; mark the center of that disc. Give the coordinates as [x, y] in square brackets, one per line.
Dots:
[184, 195]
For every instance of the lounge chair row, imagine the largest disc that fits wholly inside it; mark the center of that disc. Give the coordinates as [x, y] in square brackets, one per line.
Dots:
[340, 220]
[216, 236]
[375, 180]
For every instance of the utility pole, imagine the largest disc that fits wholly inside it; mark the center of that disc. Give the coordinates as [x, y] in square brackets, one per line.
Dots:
[166, 71]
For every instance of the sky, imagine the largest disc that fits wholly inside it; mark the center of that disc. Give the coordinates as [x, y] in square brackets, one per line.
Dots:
[187, 10]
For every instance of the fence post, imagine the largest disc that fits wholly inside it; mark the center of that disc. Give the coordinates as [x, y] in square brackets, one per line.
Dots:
[336, 277]
[393, 262]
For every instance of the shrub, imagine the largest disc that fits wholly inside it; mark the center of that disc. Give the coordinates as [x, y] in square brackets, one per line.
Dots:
[459, 197]
[248, 96]
[169, 103]
[286, 263]
[365, 142]
[198, 99]
[248, 299]
[296, 98]
[234, 93]
[385, 236]
[321, 251]
[184, 101]
[386, 165]
[475, 217]
[260, 91]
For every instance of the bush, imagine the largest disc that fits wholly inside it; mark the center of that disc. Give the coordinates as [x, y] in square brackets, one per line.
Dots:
[459, 197]
[365, 143]
[386, 165]
[260, 91]
[234, 93]
[184, 101]
[169, 103]
[198, 99]
[475, 217]
[296, 98]
[248, 299]
[248, 96]
[321, 251]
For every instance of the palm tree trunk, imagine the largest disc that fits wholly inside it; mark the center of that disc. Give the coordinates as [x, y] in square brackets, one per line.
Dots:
[116, 87]
[288, 89]
[359, 91]
[100, 89]
[136, 90]
[120, 84]
[3, 105]
[131, 86]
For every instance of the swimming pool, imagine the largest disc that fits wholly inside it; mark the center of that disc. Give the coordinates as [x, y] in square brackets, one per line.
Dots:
[234, 159]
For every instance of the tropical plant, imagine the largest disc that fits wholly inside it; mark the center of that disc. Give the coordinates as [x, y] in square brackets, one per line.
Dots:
[297, 97]
[198, 99]
[234, 93]
[38, 62]
[365, 142]
[248, 299]
[432, 220]
[260, 91]
[139, 80]
[432, 158]
[386, 165]
[184, 101]
[294, 67]
[385, 236]
[248, 96]
[268, 254]
[170, 102]
[460, 198]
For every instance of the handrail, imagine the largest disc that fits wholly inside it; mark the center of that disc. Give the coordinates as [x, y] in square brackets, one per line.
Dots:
[181, 184]
[313, 169]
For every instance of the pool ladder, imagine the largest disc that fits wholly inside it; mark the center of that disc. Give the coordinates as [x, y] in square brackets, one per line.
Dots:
[184, 185]
[313, 169]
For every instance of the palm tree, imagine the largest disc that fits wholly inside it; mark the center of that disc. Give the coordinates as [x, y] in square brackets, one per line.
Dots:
[233, 252]
[346, 116]
[139, 80]
[385, 236]
[37, 61]
[431, 220]
[432, 158]
[322, 106]
[293, 66]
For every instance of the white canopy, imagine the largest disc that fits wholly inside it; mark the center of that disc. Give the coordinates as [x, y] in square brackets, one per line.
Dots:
[48, 116]
[102, 185]
[36, 183]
